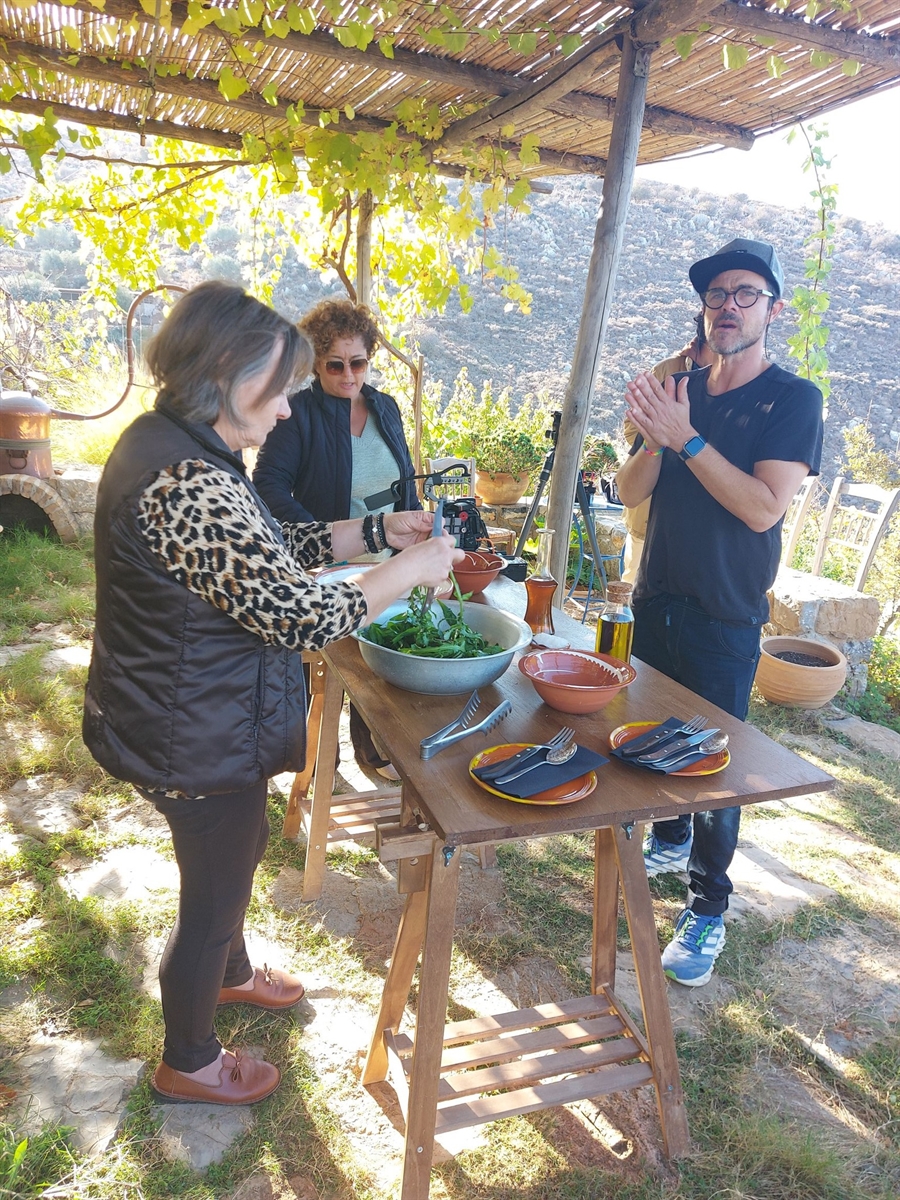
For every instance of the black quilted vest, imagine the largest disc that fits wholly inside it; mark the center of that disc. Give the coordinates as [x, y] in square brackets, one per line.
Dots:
[179, 697]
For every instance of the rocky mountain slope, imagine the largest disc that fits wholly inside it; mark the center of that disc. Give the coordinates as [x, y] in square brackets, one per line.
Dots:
[668, 229]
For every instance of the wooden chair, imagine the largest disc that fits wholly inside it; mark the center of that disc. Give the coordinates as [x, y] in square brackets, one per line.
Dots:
[795, 517]
[454, 488]
[856, 518]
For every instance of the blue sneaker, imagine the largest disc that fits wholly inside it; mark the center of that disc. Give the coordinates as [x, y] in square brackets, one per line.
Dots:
[691, 955]
[661, 858]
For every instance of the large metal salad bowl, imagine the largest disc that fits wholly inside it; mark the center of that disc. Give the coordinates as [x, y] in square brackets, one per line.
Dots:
[449, 676]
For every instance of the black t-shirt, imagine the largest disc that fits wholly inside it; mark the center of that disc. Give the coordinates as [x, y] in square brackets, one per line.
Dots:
[694, 546]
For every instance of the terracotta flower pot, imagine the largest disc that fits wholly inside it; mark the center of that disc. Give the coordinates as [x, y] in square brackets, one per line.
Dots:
[793, 684]
[500, 488]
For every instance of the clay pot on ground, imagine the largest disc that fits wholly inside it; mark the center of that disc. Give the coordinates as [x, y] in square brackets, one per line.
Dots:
[500, 488]
[796, 685]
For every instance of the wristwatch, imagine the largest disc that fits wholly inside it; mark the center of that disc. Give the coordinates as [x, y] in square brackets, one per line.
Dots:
[691, 447]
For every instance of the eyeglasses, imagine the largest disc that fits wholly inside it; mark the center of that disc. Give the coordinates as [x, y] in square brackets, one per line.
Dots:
[744, 297]
[335, 366]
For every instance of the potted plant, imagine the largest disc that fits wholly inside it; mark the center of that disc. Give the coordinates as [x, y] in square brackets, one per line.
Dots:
[799, 672]
[507, 446]
[598, 458]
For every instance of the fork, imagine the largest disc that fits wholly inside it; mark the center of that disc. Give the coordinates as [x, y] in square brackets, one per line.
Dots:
[496, 770]
[639, 746]
[565, 753]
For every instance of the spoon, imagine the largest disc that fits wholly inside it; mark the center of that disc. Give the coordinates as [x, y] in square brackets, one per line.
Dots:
[714, 744]
[554, 757]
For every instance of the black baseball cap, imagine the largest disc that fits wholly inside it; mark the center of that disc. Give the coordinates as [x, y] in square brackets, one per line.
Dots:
[759, 257]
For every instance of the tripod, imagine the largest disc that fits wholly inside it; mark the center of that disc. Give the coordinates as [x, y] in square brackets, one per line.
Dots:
[581, 498]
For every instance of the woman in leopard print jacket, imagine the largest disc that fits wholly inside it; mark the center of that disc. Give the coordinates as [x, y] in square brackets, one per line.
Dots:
[195, 692]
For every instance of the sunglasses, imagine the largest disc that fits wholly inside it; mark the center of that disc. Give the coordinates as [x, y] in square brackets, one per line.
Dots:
[334, 366]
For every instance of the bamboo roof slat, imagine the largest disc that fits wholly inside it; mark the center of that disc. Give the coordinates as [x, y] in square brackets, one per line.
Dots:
[692, 103]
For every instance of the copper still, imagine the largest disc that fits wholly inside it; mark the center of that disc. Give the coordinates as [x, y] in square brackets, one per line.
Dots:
[24, 435]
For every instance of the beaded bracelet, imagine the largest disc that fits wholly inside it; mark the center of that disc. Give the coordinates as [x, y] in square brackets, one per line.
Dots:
[368, 534]
[379, 530]
[653, 453]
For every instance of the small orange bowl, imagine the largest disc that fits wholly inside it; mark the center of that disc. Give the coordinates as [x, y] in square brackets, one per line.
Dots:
[476, 571]
[576, 681]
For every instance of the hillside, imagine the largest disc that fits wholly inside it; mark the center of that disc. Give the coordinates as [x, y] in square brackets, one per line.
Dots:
[668, 229]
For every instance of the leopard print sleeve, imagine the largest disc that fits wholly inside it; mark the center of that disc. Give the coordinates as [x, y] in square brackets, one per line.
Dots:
[210, 535]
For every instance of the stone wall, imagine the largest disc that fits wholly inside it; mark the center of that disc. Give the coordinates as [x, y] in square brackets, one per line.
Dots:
[68, 499]
[77, 488]
[804, 605]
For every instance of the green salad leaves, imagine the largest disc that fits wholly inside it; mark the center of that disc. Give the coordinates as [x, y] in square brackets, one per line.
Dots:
[426, 634]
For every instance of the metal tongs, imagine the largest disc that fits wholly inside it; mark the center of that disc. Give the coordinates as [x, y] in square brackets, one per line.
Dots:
[460, 728]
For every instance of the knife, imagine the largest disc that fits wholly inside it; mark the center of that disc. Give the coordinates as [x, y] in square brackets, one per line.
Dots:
[648, 741]
[508, 764]
[673, 749]
[437, 528]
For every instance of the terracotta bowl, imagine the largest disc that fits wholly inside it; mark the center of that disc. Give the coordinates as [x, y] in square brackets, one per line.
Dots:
[476, 571]
[794, 685]
[575, 681]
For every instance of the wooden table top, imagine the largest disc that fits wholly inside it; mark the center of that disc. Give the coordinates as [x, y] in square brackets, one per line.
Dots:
[461, 813]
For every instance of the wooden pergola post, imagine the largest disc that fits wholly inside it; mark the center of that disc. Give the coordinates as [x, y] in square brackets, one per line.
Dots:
[608, 237]
[364, 249]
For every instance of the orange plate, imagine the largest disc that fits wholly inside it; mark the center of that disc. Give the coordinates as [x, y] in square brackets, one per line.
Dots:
[706, 766]
[566, 793]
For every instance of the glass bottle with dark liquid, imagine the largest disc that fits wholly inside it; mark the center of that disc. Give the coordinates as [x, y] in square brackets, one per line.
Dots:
[540, 587]
[615, 629]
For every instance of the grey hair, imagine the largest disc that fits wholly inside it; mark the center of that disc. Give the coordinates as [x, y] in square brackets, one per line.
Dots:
[215, 339]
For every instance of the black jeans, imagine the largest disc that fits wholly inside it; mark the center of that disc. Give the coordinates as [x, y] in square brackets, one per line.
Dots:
[717, 660]
[219, 843]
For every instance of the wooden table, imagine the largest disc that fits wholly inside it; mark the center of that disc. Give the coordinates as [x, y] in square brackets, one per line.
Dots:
[482, 1069]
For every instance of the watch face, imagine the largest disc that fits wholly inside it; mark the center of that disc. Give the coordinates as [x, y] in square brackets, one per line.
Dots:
[692, 446]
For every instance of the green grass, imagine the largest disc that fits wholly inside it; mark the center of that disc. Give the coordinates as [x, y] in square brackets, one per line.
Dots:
[76, 959]
[43, 581]
[46, 709]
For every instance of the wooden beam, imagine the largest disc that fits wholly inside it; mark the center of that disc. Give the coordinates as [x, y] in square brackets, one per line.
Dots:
[561, 79]
[608, 239]
[106, 71]
[845, 43]
[123, 124]
[657, 120]
[661, 19]
[206, 91]
[463, 76]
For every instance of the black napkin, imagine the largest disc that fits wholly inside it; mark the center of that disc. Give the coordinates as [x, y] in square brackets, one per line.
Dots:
[638, 743]
[694, 756]
[546, 776]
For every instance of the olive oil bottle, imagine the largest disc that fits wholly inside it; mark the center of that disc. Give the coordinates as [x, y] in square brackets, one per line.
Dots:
[615, 629]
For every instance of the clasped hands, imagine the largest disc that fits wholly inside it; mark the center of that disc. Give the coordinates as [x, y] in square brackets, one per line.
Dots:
[661, 412]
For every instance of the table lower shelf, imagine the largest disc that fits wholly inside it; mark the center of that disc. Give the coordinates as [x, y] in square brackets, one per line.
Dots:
[530, 1059]
[354, 814]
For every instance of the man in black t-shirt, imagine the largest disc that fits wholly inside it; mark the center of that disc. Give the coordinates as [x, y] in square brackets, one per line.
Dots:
[721, 453]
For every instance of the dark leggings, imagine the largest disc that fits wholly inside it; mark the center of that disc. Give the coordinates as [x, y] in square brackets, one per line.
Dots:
[218, 843]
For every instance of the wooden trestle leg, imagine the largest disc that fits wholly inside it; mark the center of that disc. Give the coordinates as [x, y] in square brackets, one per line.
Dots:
[323, 787]
[431, 1015]
[606, 911]
[652, 987]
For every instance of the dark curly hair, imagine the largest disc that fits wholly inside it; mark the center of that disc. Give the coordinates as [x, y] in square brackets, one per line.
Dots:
[333, 319]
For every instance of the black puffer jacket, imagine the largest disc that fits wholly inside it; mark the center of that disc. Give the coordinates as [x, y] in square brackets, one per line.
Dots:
[304, 470]
[179, 697]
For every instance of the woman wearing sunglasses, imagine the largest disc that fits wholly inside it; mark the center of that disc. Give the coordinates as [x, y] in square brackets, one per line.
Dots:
[343, 441]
